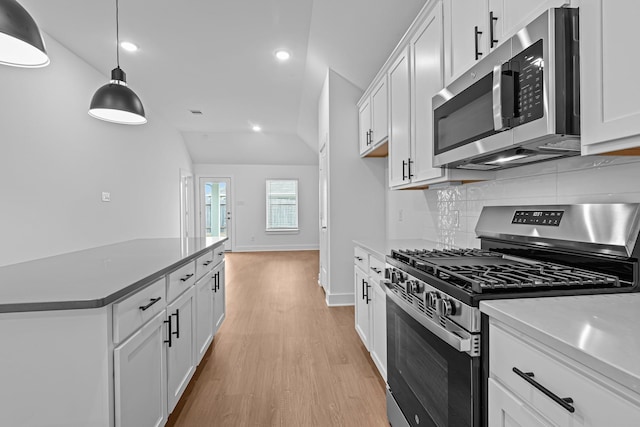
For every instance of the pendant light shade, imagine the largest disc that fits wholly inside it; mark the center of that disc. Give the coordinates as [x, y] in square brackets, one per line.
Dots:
[115, 102]
[21, 44]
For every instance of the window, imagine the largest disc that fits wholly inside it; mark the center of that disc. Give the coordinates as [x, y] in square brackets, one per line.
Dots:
[282, 204]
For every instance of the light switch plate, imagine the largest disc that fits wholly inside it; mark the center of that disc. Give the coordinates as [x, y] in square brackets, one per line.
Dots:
[106, 196]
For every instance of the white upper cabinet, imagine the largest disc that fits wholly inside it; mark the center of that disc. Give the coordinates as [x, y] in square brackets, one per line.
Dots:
[426, 80]
[400, 124]
[465, 35]
[364, 114]
[472, 28]
[374, 122]
[610, 89]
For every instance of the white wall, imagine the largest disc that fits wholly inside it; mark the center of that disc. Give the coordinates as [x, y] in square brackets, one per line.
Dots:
[55, 160]
[248, 210]
[449, 215]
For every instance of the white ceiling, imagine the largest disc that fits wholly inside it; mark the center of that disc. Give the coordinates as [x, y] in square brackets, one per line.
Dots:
[217, 56]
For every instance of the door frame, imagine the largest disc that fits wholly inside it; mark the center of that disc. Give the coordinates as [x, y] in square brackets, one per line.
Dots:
[187, 204]
[231, 223]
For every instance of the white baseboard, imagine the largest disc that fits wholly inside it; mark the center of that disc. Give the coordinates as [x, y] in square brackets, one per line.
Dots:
[270, 248]
[337, 300]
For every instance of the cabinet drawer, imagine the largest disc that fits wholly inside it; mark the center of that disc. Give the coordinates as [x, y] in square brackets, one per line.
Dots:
[361, 258]
[134, 311]
[204, 264]
[376, 269]
[180, 280]
[218, 255]
[595, 403]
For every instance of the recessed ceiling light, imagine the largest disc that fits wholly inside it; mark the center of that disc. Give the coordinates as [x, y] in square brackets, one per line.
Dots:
[128, 46]
[256, 128]
[282, 54]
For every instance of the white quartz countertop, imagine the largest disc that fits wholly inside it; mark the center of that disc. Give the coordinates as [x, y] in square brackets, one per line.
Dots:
[599, 331]
[94, 277]
[382, 247]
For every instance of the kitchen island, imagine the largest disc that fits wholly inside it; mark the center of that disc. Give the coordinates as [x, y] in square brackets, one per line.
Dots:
[107, 336]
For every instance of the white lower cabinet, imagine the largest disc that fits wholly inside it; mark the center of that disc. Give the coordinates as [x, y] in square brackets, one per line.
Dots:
[362, 305]
[505, 410]
[576, 396]
[378, 308]
[371, 306]
[219, 297]
[180, 357]
[204, 315]
[139, 377]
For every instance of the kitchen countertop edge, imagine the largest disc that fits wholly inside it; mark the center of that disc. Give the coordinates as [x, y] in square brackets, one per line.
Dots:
[115, 296]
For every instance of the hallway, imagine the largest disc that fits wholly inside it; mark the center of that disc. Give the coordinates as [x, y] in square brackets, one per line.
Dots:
[282, 357]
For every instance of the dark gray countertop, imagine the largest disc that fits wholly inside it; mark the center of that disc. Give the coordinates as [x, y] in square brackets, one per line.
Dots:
[94, 277]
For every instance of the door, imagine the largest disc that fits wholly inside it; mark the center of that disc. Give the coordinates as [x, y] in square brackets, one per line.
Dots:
[139, 377]
[365, 125]
[219, 297]
[379, 113]
[465, 36]
[399, 116]
[361, 293]
[505, 410]
[204, 315]
[186, 205]
[180, 357]
[324, 219]
[426, 81]
[215, 209]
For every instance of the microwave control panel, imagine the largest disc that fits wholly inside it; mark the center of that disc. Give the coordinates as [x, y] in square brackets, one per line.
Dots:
[549, 218]
[527, 68]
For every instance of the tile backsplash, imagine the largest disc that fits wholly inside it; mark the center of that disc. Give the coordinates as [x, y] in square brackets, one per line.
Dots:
[449, 215]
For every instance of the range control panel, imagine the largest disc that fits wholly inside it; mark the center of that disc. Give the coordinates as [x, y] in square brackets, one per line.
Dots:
[549, 218]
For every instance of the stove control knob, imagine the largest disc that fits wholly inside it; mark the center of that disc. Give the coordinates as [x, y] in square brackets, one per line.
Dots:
[432, 299]
[447, 308]
[414, 287]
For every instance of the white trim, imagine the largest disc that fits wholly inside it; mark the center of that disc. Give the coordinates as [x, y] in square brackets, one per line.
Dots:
[338, 300]
[269, 248]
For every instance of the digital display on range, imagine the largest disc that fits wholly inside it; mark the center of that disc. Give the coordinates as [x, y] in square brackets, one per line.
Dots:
[548, 218]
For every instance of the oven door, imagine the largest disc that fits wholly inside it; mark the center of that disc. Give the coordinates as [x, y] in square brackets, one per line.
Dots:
[433, 383]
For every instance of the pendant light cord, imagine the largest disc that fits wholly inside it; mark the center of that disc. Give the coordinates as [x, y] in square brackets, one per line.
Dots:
[117, 37]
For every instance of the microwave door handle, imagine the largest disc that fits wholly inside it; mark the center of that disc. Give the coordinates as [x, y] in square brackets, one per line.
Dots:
[498, 122]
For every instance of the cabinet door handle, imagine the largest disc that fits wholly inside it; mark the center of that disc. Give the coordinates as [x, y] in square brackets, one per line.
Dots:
[367, 286]
[409, 167]
[168, 331]
[404, 167]
[492, 20]
[565, 402]
[217, 281]
[477, 33]
[151, 302]
[185, 278]
[177, 332]
[370, 136]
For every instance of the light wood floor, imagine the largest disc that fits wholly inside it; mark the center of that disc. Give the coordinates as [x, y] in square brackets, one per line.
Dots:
[282, 357]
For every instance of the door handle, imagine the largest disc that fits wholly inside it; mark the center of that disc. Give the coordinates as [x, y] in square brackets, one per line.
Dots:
[168, 341]
[503, 97]
[492, 20]
[177, 332]
[477, 33]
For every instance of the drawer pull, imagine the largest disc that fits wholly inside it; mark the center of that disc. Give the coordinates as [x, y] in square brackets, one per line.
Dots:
[206, 263]
[358, 258]
[221, 253]
[185, 278]
[151, 302]
[376, 270]
[565, 402]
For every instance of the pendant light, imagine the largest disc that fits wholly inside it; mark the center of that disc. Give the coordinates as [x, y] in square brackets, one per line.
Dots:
[21, 44]
[115, 102]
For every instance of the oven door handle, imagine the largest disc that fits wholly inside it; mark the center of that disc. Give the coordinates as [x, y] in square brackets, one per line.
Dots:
[459, 343]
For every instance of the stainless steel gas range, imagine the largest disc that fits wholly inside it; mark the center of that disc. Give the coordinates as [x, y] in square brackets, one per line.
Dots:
[436, 336]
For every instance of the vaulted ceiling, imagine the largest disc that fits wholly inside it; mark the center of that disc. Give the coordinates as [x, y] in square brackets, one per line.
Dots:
[217, 56]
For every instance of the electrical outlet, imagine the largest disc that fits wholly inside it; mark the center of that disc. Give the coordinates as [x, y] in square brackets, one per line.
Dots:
[106, 196]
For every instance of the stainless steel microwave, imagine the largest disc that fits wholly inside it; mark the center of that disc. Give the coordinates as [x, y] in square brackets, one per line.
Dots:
[520, 104]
